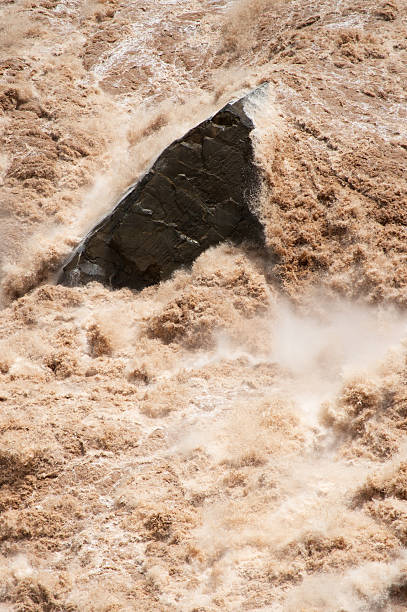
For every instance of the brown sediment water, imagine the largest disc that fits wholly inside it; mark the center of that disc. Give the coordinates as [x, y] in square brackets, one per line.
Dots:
[233, 438]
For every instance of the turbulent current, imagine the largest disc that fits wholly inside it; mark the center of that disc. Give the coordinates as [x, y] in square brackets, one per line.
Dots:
[233, 438]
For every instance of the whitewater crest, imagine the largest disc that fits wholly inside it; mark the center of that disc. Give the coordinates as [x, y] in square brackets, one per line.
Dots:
[196, 195]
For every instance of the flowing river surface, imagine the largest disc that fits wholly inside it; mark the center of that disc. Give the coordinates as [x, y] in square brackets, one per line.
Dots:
[233, 438]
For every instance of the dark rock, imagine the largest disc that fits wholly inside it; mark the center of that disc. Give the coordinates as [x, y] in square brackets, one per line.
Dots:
[195, 196]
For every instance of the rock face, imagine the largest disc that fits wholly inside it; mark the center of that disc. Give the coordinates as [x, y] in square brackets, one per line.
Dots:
[195, 196]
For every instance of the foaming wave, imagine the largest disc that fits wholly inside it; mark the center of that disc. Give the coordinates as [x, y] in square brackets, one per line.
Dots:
[289, 512]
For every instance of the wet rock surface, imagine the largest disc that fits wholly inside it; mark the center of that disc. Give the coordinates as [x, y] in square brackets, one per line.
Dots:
[196, 195]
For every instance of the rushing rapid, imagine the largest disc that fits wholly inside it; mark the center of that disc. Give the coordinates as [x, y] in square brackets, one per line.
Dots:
[232, 438]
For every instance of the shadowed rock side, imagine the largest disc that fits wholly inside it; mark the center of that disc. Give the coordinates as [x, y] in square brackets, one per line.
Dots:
[195, 196]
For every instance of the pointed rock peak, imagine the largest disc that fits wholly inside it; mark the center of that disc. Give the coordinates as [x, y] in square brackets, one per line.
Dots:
[196, 195]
